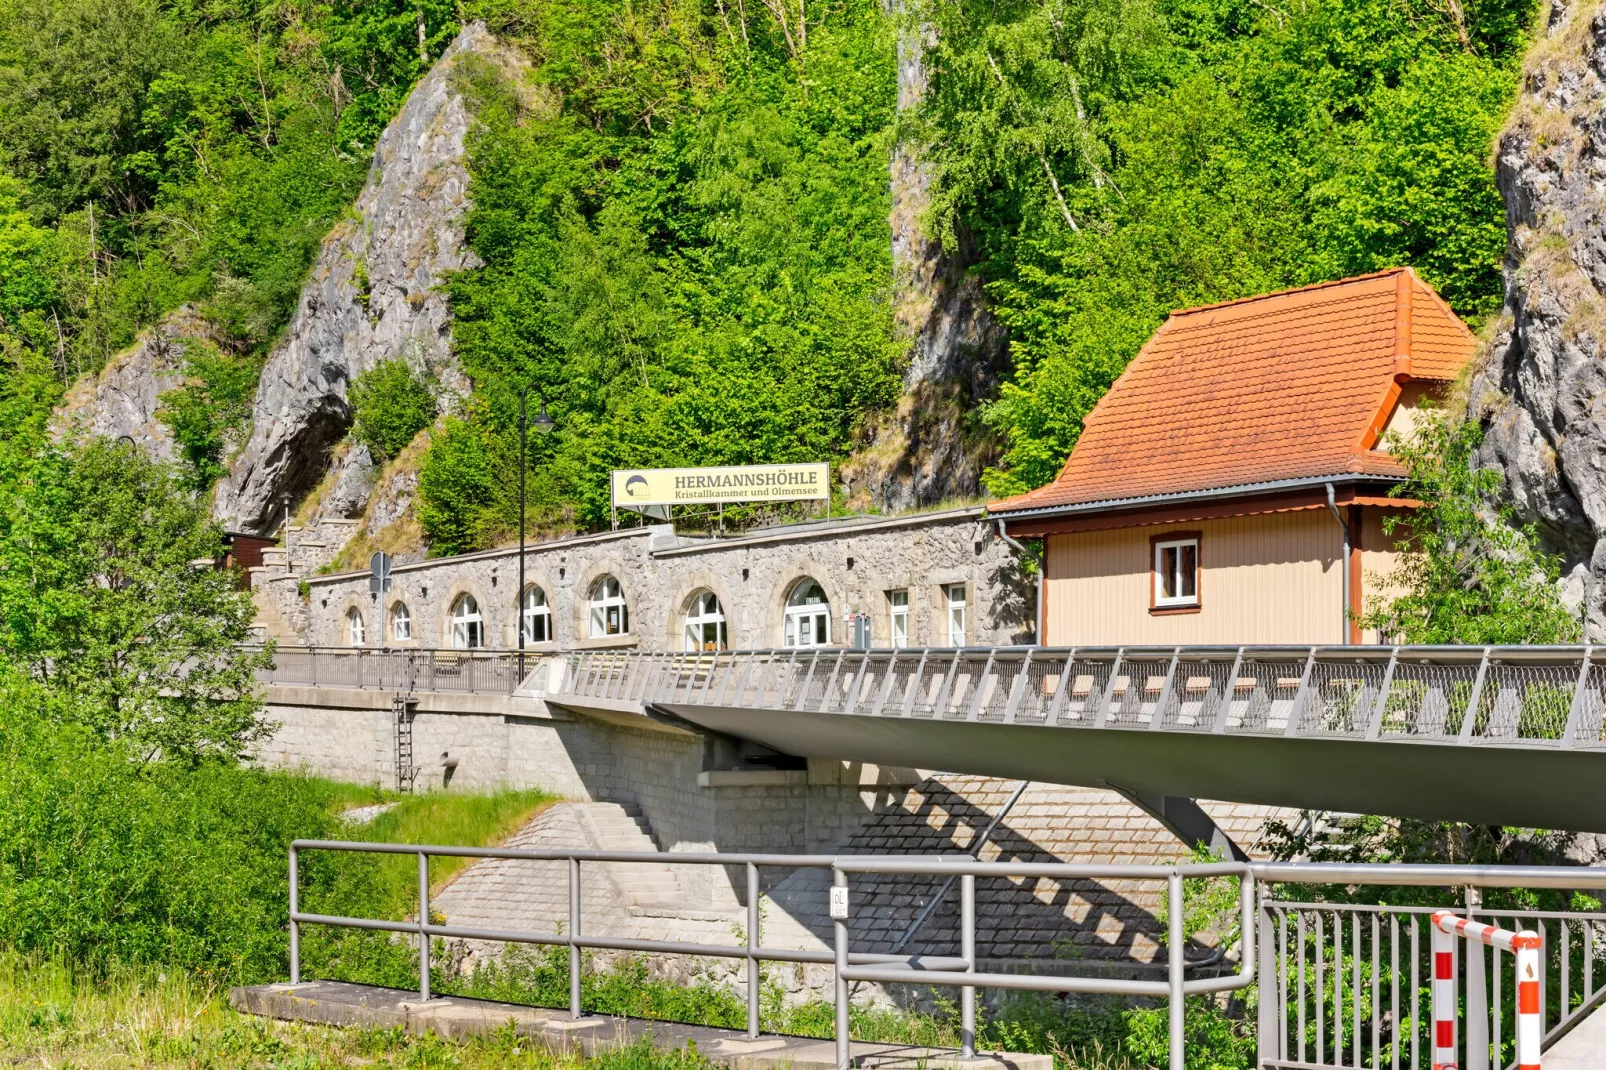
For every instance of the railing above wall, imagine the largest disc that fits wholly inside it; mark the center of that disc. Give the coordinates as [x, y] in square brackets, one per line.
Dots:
[395, 669]
[1549, 696]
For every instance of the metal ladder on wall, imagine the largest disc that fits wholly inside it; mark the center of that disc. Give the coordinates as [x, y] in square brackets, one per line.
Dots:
[404, 707]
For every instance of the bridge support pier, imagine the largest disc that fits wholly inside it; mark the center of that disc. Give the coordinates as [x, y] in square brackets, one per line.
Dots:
[1184, 819]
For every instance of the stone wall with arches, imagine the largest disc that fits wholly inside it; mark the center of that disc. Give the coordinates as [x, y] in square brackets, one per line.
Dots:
[858, 562]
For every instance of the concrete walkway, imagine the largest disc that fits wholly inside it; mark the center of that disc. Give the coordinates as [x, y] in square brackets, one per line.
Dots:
[339, 1003]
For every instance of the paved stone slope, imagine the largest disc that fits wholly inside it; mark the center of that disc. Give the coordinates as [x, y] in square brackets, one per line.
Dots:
[373, 295]
[1539, 389]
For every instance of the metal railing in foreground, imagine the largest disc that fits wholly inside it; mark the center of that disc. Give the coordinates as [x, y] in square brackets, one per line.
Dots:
[1348, 985]
[948, 971]
[1469, 695]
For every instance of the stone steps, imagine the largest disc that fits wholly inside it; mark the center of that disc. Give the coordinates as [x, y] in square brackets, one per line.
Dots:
[621, 827]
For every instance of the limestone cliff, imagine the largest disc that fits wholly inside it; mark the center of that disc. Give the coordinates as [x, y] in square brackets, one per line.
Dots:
[927, 450]
[125, 398]
[1541, 389]
[373, 294]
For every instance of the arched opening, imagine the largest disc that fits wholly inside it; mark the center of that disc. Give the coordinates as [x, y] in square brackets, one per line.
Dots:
[468, 627]
[355, 632]
[608, 612]
[535, 616]
[401, 623]
[808, 615]
[705, 623]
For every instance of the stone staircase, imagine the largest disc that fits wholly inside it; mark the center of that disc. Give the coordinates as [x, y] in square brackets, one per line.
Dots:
[649, 885]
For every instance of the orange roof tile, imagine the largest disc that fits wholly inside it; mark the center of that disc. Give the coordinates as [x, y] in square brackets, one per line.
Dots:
[1259, 390]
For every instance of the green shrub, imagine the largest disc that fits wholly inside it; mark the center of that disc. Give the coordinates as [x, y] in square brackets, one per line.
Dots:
[390, 404]
[211, 408]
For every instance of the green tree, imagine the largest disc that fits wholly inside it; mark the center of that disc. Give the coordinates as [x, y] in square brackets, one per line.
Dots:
[1469, 572]
[390, 404]
[110, 598]
[209, 410]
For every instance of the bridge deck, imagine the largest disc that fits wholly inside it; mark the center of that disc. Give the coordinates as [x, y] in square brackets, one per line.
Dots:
[1509, 736]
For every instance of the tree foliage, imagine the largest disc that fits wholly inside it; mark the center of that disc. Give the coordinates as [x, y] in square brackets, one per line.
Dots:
[390, 404]
[110, 598]
[1469, 572]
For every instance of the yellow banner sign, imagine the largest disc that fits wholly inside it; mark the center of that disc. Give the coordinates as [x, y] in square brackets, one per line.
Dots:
[637, 487]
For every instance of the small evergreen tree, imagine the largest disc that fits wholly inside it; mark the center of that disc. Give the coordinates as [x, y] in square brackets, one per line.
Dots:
[390, 404]
[1470, 573]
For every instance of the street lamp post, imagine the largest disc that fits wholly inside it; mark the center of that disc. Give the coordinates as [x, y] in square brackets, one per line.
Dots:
[543, 424]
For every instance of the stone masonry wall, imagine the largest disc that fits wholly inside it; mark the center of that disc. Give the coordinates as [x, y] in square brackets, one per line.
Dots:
[857, 561]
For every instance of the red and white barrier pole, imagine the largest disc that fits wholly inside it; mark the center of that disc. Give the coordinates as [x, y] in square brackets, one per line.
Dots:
[1525, 945]
[1444, 1002]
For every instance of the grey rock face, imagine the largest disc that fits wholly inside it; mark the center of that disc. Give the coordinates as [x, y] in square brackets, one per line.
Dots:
[373, 295]
[125, 397]
[1541, 391]
[922, 453]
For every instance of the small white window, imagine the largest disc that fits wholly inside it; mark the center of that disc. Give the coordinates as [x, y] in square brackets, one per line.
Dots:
[468, 627]
[808, 615]
[705, 623]
[354, 627]
[955, 594]
[1176, 573]
[899, 604]
[535, 616]
[401, 623]
[609, 614]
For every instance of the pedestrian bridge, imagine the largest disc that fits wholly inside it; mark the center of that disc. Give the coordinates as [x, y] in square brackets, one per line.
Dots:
[1499, 735]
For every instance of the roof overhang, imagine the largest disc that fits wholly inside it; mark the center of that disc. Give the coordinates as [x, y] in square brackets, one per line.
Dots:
[1283, 495]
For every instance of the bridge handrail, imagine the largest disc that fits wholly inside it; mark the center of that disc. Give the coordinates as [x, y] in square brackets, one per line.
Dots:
[1551, 696]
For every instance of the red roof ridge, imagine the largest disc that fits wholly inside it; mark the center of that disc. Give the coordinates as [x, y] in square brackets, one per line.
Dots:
[1294, 290]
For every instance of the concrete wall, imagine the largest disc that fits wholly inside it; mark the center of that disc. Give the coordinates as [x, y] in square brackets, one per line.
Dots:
[858, 561]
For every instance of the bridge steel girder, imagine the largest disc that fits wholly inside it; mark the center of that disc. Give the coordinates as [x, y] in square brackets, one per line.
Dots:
[1533, 787]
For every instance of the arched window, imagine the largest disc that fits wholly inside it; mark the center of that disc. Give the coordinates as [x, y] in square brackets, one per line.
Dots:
[609, 614]
[535, 616]
[354, 628]
[705, 623]
[468, 627]
[808, 615]
[401, 623]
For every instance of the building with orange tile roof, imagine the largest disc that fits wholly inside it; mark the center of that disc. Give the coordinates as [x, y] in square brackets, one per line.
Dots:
[1231, 486]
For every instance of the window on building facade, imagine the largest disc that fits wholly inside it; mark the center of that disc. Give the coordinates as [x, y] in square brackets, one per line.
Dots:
[808, 615]
[898, 606]
[609, 614]
[705, 623]
[954, 593]
[535, 616]
[401, 623]
[1176, 573]
[354, 627]
[468, 627]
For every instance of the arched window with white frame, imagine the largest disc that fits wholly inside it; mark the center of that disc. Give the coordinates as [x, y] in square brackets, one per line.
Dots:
[705, 623]
[808, 615]
[355, 632]
[401, 623]
[468, 627]
[608, 613]
[535, 616]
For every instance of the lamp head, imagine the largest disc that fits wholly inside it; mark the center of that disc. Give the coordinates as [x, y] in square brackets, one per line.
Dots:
[542, 422]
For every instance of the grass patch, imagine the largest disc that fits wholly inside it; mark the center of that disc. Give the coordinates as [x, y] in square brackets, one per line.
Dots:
[443, 818]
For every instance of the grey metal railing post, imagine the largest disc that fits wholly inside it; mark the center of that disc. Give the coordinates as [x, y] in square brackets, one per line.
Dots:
[1268, 1030]
[1469, 719]
[295, 926]
[423, 925]
[1174, 975]
[1575, 711]
[967, 951]
[752, 951]
[1477, 1007]
[574, 937]
[844, 1043]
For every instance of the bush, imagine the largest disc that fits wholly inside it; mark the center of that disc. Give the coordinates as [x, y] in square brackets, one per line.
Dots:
[390, 405]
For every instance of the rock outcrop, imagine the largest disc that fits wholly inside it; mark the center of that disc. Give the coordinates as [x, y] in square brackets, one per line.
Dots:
[125, 398]
[1540, 391]
[926, 450]
[373, 295]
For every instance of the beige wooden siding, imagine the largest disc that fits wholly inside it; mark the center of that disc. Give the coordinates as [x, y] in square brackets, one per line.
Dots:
[1274, 578]
[1379, 559]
